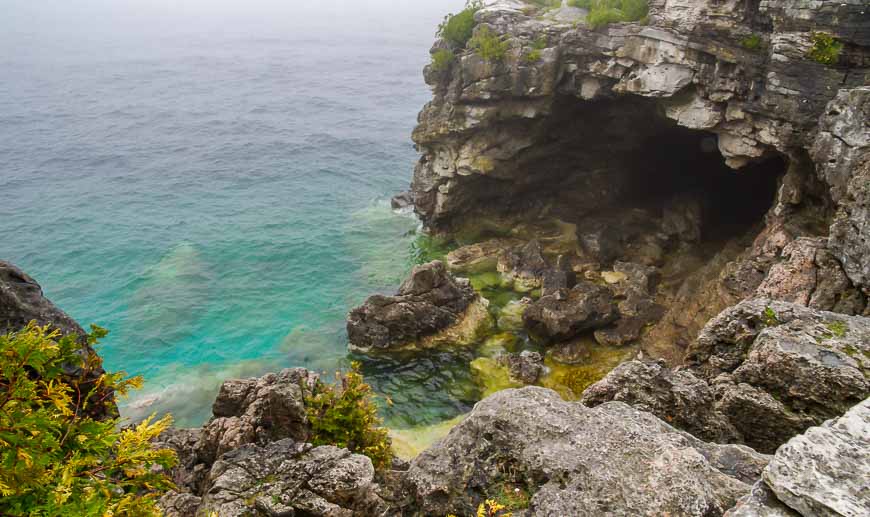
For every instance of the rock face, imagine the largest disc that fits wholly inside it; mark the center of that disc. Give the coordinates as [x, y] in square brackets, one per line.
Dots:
[22, 301]
[568, 312]
[260, 410]
[579, 461]
[816, 473]
[430, 308]
[291, 478]
[760, 372]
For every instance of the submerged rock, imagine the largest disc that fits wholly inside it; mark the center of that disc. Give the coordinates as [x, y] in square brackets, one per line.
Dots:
[567, 313]
[430, 308]
[524, 367]
[578, 461]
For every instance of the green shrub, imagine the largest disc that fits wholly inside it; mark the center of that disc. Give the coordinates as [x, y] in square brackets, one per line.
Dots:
[456, 29]
[488, 45]
[550, 4]
[826, 48]
[751, 42]
[605, 12]
[345, 415]
[441, 60]
[534, 55]
[54, 460]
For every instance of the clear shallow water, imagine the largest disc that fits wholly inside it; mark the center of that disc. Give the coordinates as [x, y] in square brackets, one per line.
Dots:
[212, 184]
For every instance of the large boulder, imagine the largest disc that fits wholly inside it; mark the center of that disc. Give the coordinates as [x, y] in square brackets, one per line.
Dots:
[258, 410]
[759, 373]
[430, 308]
[22, 301]
[569, 312]
[579, 461]
[291, 478]
[821, 472]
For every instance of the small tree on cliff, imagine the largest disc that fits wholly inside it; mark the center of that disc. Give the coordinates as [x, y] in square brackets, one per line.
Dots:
[55, 460]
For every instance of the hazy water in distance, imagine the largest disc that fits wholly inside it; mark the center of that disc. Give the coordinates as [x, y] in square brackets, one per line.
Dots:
[210, 180]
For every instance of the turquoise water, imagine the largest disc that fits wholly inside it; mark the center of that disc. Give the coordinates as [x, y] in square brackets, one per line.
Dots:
[212, 184]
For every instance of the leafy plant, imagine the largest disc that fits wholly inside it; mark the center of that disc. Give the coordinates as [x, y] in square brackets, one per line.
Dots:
[54, 459]
[769, 317]
[751, 42]
[456, 29]
[492, 508]
[441, 60]
[488, 45]
[534, 55]
[345, 415]
[826, 49]
[605, 12]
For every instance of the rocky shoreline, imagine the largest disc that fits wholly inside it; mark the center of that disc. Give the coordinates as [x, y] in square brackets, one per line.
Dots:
[660, 258]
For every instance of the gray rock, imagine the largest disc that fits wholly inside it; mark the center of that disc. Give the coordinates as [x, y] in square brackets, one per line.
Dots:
[259, 410]
[561, 316]
[761, 372]
[824, 471]
[290, 478]
[430, 300]
[760, 502]
[525, 367]
[677, 397]
[179, 504]
[579, 461]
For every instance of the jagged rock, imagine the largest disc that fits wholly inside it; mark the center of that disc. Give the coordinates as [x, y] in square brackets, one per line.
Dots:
[811, 276]
[259, 410]
[569, 312]
[22, 301]
[677, 397]
[179, 504]
[430, 308]
[760, 373]
[824, 471]
[524, 367]
[479, 257]
[291, 478]
[524, 265]
[579, 461]
[188, 474]
[402, 201]
[760, 502]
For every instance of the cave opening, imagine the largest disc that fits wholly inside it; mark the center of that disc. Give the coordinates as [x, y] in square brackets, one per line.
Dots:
[604, 157]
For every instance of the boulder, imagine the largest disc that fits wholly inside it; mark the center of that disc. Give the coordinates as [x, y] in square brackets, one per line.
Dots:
[525, 367]
[259, 410]
[760, 373]
[677, 397]
[824, 471]
[579, 461]
[291, 478]
[525, 265]
[568, 312]
[430, 308]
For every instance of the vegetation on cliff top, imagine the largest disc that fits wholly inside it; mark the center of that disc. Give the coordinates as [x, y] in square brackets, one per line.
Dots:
[55, 459]
[826, 49]
[456, 29]
[605, 12]
[345, 415]
[488, 45]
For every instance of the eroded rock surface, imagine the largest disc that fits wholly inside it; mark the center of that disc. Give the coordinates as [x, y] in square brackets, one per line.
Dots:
[760, 372]
[580, 461]
[431, 307]
[568, 312]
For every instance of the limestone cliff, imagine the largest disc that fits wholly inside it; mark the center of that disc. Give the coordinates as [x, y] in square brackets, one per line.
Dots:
[710, 121]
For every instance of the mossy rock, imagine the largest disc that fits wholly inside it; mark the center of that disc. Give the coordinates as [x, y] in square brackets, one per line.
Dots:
[491, 376]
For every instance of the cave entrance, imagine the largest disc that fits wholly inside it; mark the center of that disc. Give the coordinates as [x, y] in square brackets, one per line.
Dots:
[603, 157]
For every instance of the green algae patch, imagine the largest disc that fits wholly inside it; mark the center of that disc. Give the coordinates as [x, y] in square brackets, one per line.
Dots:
[491, 376]
[499, 343]
[408, 443]
[485, 280]
[510, 317]
[571, 380]
[426, 248]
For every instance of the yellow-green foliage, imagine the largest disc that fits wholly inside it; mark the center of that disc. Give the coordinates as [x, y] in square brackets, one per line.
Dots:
[441, 60]
[54, 460]
[488, 45]
[456, 29]
[605, 12]
[751, 42]
[826, 49]
[534, 55]
[345, 415]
